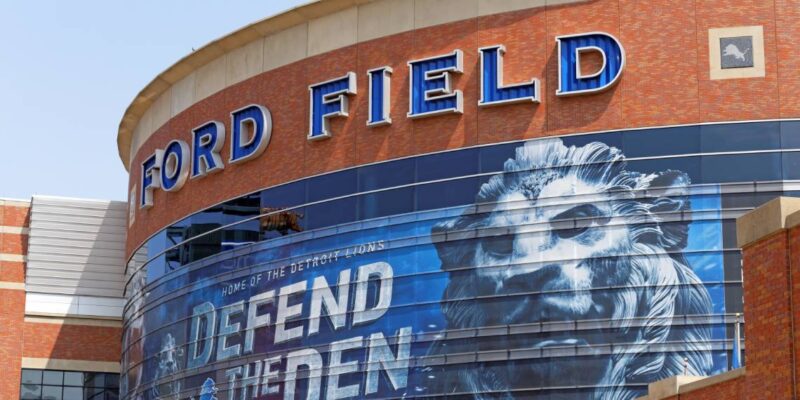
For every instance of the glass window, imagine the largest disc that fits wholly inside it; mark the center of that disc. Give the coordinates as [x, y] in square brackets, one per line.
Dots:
[389, 202]
[73, 378]
[288, 195]
[449, 164]
[447, 194]
[740, 137]
[67, 385]
[492, 158]
[790, 134]
[31, 376]
[332, 185]
[741, 167]
[52, 377]
[661, 142]
[52, 393]
[387, 174]
[791, 165]
[331, 213]
[73, 393]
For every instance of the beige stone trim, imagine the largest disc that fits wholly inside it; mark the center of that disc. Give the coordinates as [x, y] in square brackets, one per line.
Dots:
[15, 203]
[333, 31]
[12, 285]
[14, 230]
[109, 323]
[71, 365]
[676, 385]
[757, 71]
[314, 28]
[12, 257]
[766, 220]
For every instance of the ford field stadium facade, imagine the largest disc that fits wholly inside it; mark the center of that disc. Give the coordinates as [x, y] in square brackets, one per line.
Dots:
[479, 199]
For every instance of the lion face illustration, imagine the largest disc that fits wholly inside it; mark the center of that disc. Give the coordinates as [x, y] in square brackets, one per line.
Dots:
[567, 234]
[169, 359]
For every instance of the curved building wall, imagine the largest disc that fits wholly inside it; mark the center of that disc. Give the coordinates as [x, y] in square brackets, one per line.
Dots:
[499, 252]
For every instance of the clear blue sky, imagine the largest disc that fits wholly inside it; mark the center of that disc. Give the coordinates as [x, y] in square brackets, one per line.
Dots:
[68, 70]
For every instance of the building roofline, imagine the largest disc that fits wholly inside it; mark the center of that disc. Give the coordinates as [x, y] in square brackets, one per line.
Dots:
[214, 49]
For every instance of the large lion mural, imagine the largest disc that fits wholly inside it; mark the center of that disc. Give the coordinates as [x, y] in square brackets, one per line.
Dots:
[568, 234]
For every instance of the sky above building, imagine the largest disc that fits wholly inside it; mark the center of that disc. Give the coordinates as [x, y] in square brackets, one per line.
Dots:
[68, 71]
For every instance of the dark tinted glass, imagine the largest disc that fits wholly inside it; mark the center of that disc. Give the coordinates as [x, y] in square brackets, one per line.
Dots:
[790, 134]
[613, 139]
[332, 185]
[447, 194]
[387, 174]
[740, 137]
[112, 380]
[447, 165]
[791, 165]
[94, 379]
[331, 213]
[68, 385]
[741, 167]
[492, 158]
[385, 203]
[290, 194]
[660, 142]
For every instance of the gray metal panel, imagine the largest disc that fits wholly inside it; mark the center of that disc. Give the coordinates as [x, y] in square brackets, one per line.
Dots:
[76, 247]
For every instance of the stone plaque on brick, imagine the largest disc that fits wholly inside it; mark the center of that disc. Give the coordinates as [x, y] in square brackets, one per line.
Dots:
[736, 52]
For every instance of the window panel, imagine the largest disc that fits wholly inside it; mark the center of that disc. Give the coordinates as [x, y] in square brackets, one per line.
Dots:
[73, 378]
[740, 137]
[661, 142]
[31, 376]
[790, 134]
[52, 393]
[332, 185]
[53, 378]
[389, 202]
[447, 194]
[71, 393]
[331, 213]
[68, 385]
[386, 174]
[741, 168]
[447, 165]
[492, 158]
[30, 391]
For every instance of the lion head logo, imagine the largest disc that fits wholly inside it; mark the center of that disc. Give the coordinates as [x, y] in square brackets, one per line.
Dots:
[568, 235]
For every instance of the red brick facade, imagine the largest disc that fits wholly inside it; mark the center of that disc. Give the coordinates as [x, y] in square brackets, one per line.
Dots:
[666, 82]
[21, 339]
[12, 296]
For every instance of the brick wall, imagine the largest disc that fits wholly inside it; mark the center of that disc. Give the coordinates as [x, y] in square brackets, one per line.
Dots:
[72, 342]
[14, 218]
[83, 340]
[666, 82]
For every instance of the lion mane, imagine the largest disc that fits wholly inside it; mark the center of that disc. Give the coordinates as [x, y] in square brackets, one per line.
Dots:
[652, 279]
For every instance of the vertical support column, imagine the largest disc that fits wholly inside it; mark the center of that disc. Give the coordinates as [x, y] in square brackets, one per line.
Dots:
[14, 221]
[770, 247]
